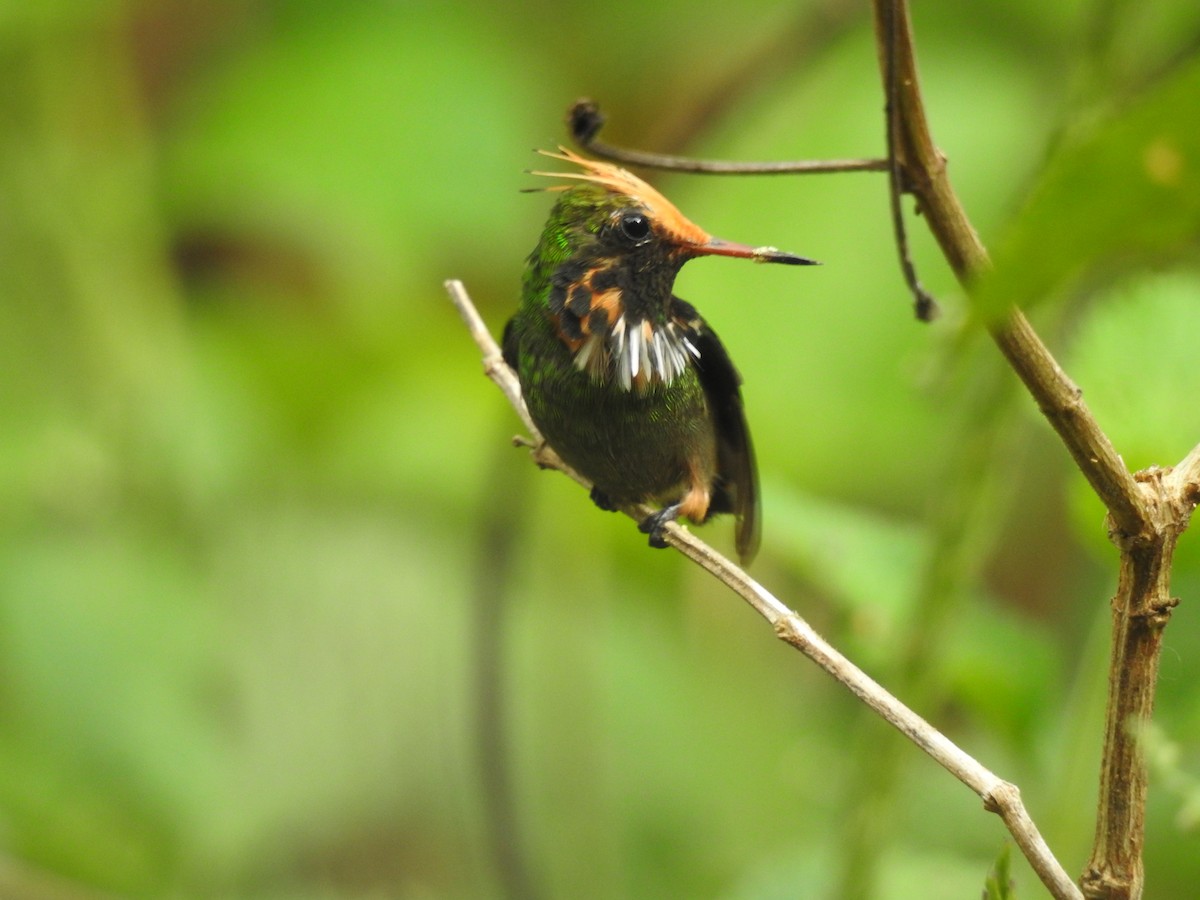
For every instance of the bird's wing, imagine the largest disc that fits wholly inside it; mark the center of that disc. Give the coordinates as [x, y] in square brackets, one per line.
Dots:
[736, 490]
[508, 344]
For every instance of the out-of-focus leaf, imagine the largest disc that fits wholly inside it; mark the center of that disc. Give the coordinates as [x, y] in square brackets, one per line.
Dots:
[1164, 759]
[1128, 190]
[863, 563]
[1135, 359]
[999, 884]
[333, 140]
[1001, 667]
[105, 647]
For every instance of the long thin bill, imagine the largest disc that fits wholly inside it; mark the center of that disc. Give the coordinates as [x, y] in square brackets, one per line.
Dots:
[718, 247]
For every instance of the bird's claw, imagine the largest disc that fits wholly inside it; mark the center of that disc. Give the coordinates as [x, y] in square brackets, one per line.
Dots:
[602, 500]
[543, 454]
[655, 525]
[657, 539]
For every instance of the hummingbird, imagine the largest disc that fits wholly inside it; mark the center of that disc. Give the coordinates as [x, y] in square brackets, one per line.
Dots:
[628, 383]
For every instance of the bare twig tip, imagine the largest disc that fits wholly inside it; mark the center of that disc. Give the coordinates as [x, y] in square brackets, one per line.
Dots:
[925, 307]
[584, 121]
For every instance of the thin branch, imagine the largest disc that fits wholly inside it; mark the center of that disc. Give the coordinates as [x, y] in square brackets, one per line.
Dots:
[925, 176]
[1184, 480]
[584, 120]
[494, 366]
[924, 306]
[998, 795]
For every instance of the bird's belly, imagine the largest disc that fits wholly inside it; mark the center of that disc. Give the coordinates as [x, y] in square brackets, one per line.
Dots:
[634, 446]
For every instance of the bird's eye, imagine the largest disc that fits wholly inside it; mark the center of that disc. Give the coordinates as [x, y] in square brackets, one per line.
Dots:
[635, 226]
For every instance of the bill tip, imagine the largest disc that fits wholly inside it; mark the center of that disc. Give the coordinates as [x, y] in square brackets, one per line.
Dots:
[775, 255]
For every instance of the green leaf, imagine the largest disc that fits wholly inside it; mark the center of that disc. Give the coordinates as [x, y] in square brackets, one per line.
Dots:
[999, 884]
[1128, 191]
[864, 562]
[1135, 359]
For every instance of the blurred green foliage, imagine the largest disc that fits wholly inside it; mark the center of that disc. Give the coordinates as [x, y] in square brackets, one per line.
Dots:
[258, 503]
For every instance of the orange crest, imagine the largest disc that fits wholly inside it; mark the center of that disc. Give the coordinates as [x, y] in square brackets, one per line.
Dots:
[621, 181]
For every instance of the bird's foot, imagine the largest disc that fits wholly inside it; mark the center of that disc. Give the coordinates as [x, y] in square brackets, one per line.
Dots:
[602, 500]
[543, 454]
[655, 524]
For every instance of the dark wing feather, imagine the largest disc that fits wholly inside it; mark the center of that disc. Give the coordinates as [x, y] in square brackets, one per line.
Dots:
[508, 344]
[736, 490]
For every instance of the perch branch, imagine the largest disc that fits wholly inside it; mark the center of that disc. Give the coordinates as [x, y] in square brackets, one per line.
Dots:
[998, 796]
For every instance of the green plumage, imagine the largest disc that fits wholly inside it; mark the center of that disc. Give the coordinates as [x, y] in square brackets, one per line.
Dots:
[633, 445]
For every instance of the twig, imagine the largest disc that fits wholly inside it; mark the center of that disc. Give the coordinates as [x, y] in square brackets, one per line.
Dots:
[998, 796]
[1184, 479]
[924, 306]
[494, 366]
[584, 120]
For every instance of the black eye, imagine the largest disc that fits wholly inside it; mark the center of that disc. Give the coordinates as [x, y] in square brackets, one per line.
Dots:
[635, 226]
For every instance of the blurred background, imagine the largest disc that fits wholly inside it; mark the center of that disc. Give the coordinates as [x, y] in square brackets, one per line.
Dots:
[284, 614]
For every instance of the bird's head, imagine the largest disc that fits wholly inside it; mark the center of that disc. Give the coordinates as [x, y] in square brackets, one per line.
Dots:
[610, 251]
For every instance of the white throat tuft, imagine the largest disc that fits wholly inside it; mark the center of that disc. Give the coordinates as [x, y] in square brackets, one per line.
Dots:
[636, 354]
